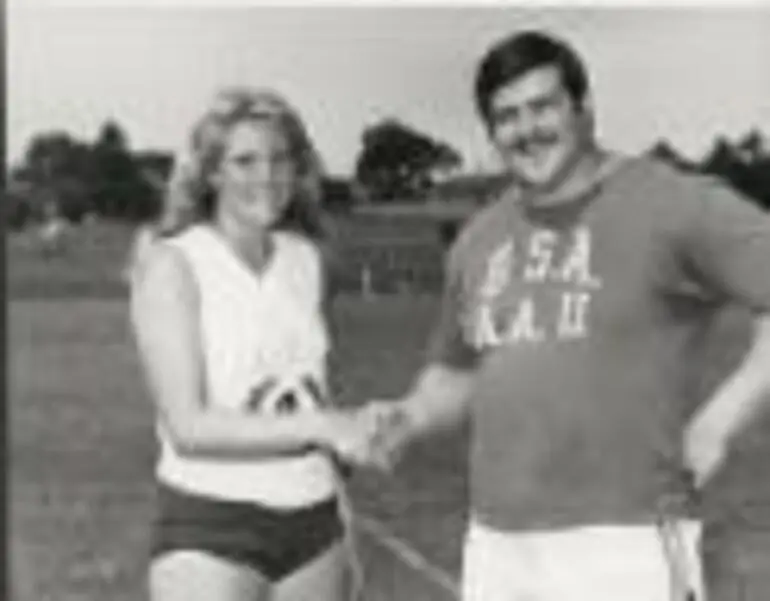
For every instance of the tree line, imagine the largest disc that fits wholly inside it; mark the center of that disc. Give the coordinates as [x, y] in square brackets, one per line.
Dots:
[62, 176]
[744, 164]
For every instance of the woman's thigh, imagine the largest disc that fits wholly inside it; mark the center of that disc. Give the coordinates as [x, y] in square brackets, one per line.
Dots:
[325, 578]
[200, 576]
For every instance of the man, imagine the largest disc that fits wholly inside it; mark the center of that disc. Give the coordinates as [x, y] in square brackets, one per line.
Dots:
[570, 321]
[52, 229]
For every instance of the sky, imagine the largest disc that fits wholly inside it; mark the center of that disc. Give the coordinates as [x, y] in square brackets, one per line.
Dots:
[687, 74]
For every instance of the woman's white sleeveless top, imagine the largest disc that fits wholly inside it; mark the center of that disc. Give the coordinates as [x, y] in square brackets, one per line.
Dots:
[260, 334]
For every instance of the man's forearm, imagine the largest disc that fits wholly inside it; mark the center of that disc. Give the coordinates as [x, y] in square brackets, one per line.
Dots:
[438, 400]
[741, 395]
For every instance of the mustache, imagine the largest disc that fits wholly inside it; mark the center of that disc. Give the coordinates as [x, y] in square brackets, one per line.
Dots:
[531, 142]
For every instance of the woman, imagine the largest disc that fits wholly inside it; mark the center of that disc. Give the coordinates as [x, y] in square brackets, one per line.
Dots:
[227, 307]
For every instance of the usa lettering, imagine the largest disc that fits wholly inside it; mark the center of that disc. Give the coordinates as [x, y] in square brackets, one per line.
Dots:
[574, 267]
[540, 257]
[577, 266]
[498, 273]
[542, 263]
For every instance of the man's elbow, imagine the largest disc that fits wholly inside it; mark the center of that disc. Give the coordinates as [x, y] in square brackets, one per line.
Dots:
[761, 336]
[762, 323]
[754, 369]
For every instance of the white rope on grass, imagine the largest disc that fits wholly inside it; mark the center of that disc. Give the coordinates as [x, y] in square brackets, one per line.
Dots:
[345, 508]
[399, 548]
[677, 561]
[408, 555]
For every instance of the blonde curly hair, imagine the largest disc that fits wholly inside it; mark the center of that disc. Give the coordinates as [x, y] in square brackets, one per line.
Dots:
[189, 197]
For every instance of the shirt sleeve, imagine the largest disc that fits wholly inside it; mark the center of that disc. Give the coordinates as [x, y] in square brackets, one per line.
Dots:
[726, 242]
[448, 345]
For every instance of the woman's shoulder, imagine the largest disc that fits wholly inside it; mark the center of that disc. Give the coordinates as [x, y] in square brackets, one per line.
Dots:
[298, 245]
[162, 261]
[192, 234]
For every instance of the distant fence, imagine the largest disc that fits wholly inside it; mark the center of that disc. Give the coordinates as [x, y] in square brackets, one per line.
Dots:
[379, 255]
[386, 253]
[385, 267]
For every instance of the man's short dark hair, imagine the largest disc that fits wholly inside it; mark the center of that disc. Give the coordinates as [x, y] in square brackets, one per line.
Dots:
[516, 55]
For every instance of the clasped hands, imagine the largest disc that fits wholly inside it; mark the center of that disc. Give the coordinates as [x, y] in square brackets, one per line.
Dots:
[371, 436]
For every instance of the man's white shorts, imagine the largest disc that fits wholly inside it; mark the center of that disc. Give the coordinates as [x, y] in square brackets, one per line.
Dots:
[593, 563]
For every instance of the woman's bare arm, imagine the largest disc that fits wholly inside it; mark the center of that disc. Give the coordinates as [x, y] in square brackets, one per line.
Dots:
[165, 320]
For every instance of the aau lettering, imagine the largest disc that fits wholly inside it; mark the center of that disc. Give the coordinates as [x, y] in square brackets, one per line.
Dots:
[573, 317]
[526, 323]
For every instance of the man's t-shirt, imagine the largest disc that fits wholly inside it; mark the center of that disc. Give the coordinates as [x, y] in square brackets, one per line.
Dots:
[582, 322]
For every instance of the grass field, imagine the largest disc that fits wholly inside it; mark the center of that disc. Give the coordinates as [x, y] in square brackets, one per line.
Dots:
[82, 444]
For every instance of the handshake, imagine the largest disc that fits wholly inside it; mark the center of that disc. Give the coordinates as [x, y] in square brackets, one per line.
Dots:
[372, 436]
